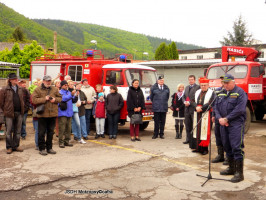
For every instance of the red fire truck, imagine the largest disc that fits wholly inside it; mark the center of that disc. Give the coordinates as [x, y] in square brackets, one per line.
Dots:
[248, 75]
[98, 70]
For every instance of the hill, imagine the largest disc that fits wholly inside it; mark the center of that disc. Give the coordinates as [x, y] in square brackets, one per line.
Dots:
[73, 37]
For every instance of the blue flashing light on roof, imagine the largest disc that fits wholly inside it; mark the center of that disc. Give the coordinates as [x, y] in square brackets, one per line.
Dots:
[90, 53]
[122, 58]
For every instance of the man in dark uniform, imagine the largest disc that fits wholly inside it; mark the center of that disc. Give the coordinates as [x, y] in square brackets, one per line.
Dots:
[188, 97]
[159, 97]
[230, 110]
[220, 149]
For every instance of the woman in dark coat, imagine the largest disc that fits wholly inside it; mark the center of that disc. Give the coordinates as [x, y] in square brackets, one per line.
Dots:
[178, 108]
[135, 104]
[114, 103]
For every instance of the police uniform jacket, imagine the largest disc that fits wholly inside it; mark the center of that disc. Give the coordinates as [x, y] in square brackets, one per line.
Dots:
[231, 105]
[159, 98]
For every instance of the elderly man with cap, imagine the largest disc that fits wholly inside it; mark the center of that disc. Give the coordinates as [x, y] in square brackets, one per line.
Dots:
[12, 104]
[202, 117]
[230, 110]
[65, 113]
[159, 97]
[91, 96]
[49, 96]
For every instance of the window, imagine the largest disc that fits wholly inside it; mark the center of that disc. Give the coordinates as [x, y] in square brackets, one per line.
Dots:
[199, 57]
[146, 77]
[261, 55]
[75, 71]
[114, 77]
[255, 72]
[183, 57]
[238, 71]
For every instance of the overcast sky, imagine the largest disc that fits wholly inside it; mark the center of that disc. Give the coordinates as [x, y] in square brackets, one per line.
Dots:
[200, 22]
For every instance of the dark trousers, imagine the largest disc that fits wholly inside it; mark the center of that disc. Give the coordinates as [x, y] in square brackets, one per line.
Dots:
[46, 126]
[113, 123]
[189, 125]
[64, 124]
[233, 140]
[88, 113]
[218, 137]
[159, 123]
[13, 125]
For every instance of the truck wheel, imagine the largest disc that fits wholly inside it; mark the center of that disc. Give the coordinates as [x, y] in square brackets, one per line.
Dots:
[143, 126]
[248, 120]
[259, 113]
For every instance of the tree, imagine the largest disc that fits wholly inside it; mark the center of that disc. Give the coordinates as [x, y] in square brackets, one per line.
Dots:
[240, 35]
[161, 52]
[173, 53]
[23, 57]
[18, 35]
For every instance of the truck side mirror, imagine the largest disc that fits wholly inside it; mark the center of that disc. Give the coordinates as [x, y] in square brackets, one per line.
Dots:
[261, 70]
[205, 71]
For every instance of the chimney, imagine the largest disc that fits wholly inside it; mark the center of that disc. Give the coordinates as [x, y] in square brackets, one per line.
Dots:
[55, 42]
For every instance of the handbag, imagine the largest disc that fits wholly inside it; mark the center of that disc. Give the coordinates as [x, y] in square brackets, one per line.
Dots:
[136, 119]
[63, 105]
[40, 109]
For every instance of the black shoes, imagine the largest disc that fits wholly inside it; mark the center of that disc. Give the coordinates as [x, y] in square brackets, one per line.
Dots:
[110, 137]
[137, 139]
[114, 136]
[133, 139]
[186, 142]
[85, 138]
[161, 136]
[102, 136]
[68, 145]
[97, 136]
[154, 137]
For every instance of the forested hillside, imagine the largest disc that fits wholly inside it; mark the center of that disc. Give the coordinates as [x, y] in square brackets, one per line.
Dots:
[73, 37]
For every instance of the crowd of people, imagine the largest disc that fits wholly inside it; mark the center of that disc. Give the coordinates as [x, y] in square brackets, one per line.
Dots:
[64, 107]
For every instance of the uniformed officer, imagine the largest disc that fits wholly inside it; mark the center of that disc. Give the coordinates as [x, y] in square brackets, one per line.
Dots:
[231, 113]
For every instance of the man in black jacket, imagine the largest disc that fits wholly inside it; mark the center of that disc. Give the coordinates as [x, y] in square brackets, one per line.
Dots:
[189, 97]
[159, 96]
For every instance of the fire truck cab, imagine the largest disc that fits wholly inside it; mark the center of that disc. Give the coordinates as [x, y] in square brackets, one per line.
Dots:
[98, 70]
[248, 75]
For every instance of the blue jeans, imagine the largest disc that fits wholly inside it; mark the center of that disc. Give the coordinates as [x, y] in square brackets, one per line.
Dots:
[35, 126]
[82, 120]
[113, 123]
[76, 125]
[23, 127]
[88, 113]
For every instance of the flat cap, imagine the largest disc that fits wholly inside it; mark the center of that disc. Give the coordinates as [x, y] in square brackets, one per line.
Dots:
[47, 78]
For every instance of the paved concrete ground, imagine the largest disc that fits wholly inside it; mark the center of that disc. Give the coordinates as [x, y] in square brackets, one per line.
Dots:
[121, 169]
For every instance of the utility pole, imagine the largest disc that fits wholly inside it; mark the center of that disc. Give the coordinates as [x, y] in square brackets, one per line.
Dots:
[55, 42]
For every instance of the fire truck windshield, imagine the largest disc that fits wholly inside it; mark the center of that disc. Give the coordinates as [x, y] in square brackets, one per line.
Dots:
[146, 77]
[238, 71]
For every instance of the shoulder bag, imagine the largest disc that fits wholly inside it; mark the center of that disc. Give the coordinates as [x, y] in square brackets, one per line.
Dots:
[136, 118]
